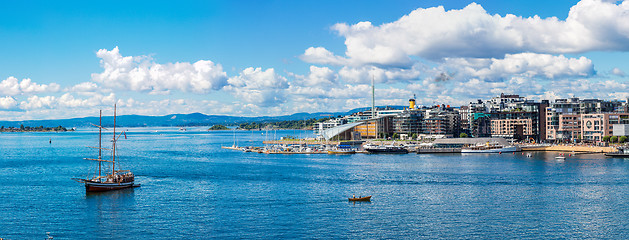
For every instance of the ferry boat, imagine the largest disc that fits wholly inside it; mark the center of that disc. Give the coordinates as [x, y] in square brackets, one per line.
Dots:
[116, 179]
[371, 148]
[489, 148]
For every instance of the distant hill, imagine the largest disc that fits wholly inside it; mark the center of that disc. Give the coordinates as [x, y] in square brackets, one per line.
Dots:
[192, 119]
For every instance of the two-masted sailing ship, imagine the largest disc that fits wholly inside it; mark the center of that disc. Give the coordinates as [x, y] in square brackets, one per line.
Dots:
[116, 179]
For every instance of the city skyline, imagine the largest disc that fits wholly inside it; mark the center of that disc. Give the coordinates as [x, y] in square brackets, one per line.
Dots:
[245, 58]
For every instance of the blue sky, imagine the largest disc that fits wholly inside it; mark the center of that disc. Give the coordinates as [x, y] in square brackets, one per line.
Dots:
[69, 59]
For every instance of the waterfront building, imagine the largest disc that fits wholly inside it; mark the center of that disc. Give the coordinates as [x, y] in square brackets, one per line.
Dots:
[480, 125]
[441, 120]
[529, 120]
[518, 129]
[330, 123]
[574, 119]
[358, 116]
[368, 130]
[505, 102]
[408, 122]
[585, 106]
[596, 126]
[465, 114]
[569, 127]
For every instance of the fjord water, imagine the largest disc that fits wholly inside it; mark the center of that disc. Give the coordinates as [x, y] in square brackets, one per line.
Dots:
[193, 189]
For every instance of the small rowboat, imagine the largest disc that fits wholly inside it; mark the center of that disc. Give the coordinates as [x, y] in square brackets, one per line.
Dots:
[360, 199]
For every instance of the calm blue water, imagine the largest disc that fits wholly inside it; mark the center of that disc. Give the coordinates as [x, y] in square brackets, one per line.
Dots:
[193, 189]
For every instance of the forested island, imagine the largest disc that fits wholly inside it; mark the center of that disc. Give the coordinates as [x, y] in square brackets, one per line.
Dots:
[23, 128]
[218, 127]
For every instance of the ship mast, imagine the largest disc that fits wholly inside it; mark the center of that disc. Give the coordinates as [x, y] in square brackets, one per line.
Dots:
[100, 130]
[113, 161]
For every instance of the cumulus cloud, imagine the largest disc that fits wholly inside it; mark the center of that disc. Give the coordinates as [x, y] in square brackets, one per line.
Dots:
[66, 100]
[84, 87]
[7, 103]
[262, 88]
[618, 72]
[471, 32]
[318, 76]
[140, 73]
[529, 65]
[321, 55]
[12, 87]
[364, 74]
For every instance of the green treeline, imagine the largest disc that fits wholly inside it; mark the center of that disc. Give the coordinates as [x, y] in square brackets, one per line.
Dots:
[23, 128]
[292, 124]
[218, 127]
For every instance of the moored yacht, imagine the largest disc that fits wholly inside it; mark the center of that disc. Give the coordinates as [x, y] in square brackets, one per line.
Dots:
[372, 148]
[116, 179]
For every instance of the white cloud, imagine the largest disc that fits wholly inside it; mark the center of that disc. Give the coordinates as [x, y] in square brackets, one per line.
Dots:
[321, 55]
[262, 88]
[365, 74]
[7, 103]
[12, 87]
[36, 102]
[317, 77]
[433, 33]
[528, 65]
[84, 87]
[66, 101]
[618, 72]
[140, 73]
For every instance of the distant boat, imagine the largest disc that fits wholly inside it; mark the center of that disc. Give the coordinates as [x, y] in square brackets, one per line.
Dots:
[560, 158]
[360, 199]
[385, 149]
[117, 179]
[489, 148]
[342, 149]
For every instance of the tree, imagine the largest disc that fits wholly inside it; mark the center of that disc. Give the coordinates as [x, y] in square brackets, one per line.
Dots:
[622, 139]
[606, 139]
[463, 135]
[394, 136]
[414, 136]
[613, 139]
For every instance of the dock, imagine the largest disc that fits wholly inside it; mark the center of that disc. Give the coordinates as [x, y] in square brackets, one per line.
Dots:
[570, 148]
[437, 150]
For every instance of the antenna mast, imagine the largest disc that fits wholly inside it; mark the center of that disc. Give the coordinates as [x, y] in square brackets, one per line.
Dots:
[373, 99]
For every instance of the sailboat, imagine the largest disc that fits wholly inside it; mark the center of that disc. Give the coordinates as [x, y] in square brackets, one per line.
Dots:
[114, 180]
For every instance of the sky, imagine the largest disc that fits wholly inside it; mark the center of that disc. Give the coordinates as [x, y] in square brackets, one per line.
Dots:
[69, 59]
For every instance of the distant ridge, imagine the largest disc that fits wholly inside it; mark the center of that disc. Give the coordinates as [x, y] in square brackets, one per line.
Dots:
[191, 119]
